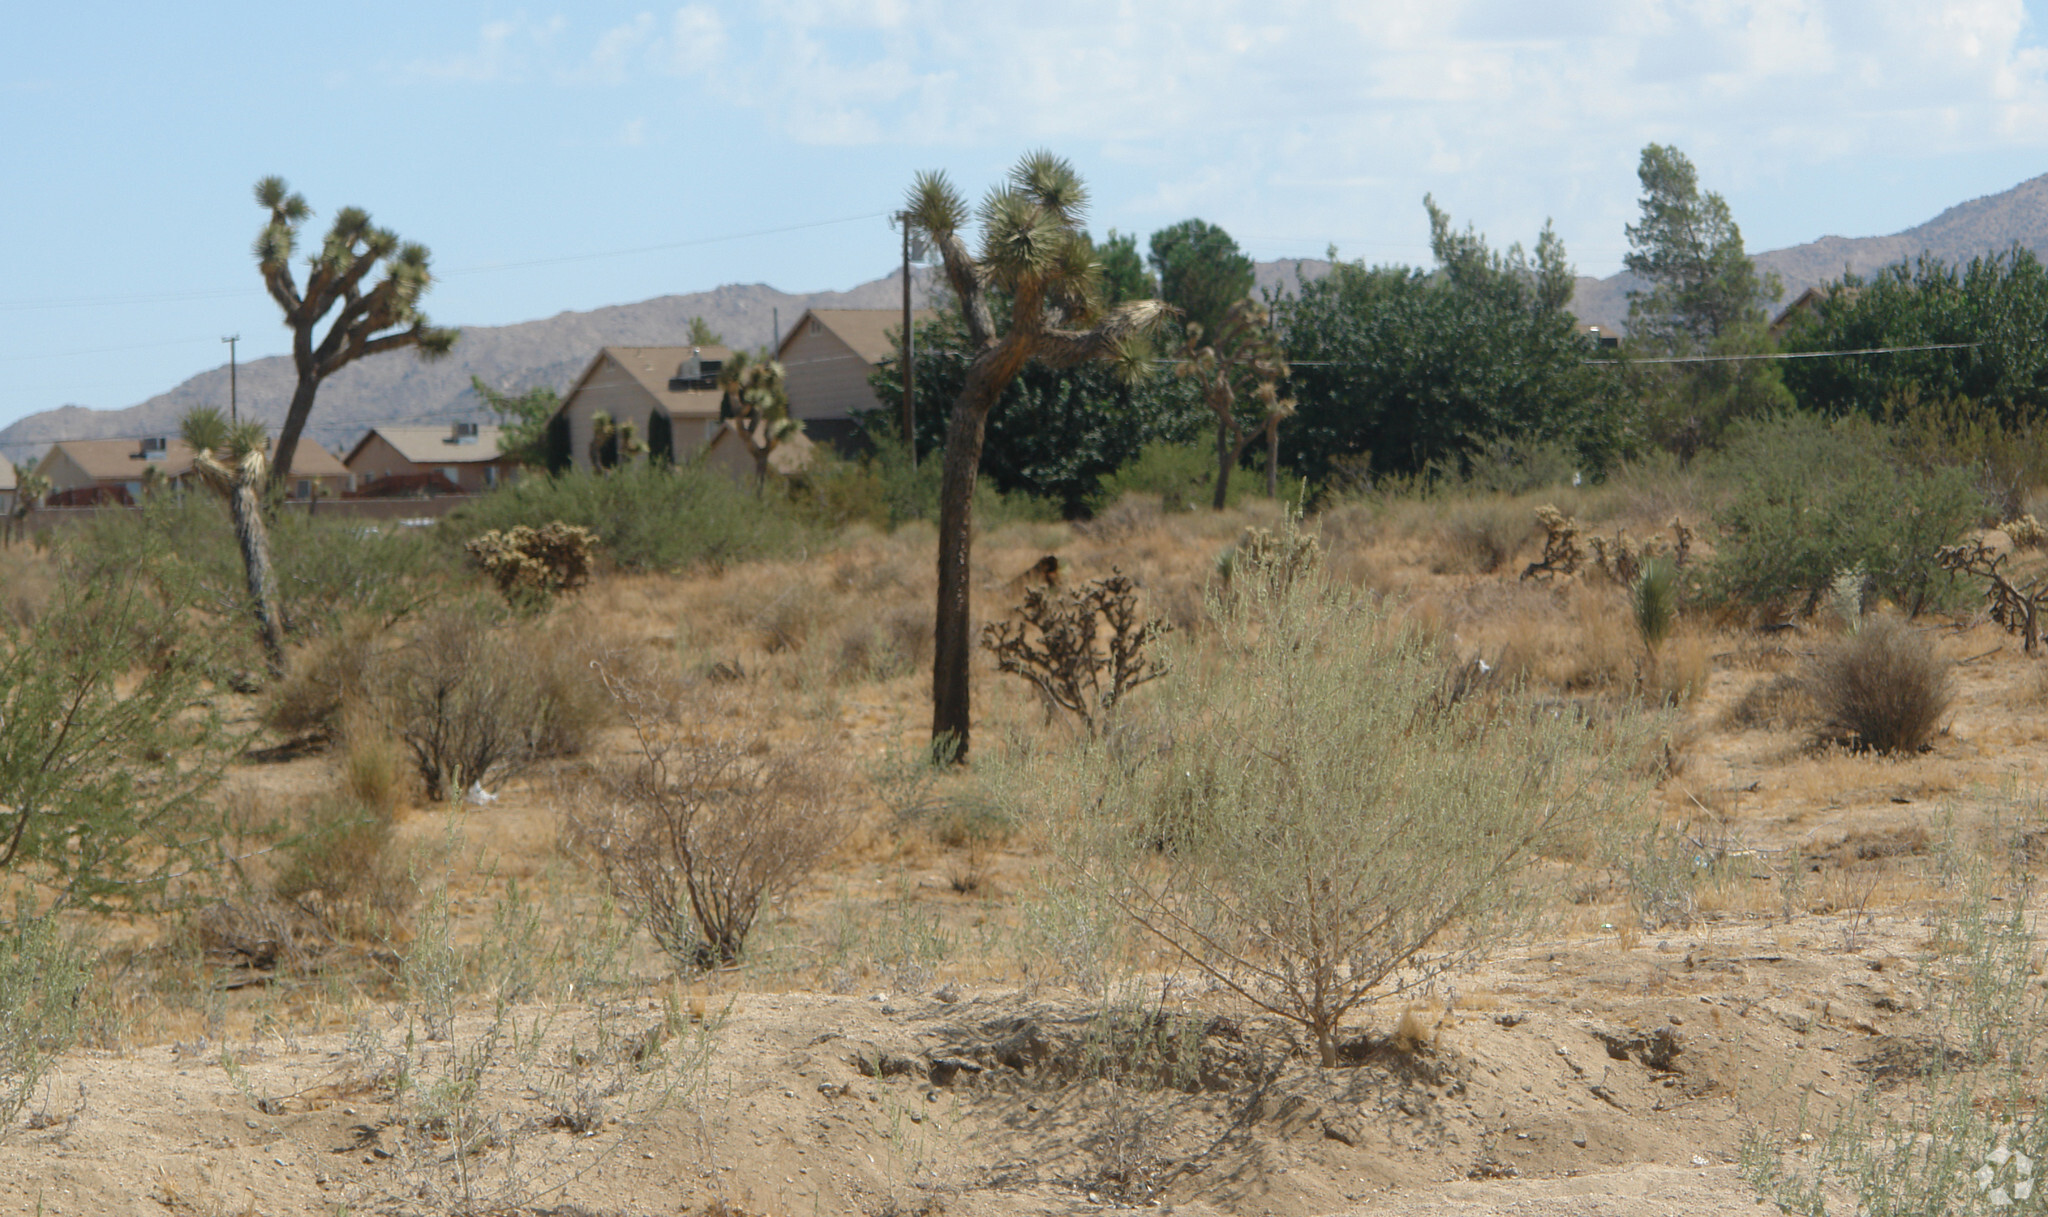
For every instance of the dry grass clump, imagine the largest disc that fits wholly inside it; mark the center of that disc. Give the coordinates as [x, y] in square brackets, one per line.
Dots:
[894, 642]
[335, 672]
[1479, 536]
[1775, 703]
[1883, 687]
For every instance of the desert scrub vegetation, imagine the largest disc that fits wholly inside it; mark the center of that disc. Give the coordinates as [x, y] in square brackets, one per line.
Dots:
[532, 566]
[1301, 817]
[108, 745]
[1810, 498]
[1880, 686]
[651, 517]
[1084, 649]
[699, 836]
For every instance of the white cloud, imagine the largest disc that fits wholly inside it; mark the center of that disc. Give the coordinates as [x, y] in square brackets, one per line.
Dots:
[502, 52]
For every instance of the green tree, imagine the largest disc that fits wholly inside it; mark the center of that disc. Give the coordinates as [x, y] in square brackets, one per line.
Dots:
[1124, 276]
[1412, 370]
[757, 403]
[522, 421]
[1702, 284]
[702, 335]
[1056, 431]
[383, 316]
[1201, 271]
[1997, 305]
[232, 462]
[29, 489]
[1035, 253]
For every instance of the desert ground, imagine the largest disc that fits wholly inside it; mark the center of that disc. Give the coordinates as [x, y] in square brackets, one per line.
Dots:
[924, 1026]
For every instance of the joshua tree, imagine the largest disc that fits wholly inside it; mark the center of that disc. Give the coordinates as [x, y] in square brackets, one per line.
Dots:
[758, 403]
[29, 489]
[612, 443]
[383, 317]
[1036, 256]
[231, 461]
[1242, 348]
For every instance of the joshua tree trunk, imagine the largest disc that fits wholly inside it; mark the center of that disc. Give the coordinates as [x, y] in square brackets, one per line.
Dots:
[255, 543]
[952, 643]
[1272, 462]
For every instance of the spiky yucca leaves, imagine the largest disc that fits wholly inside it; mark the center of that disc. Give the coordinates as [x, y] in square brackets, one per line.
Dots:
[383, 316]
[233, 461]
[1244, 350]
[758, 404]
[1034, 251]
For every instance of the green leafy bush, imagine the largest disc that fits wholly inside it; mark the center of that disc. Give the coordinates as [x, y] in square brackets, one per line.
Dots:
[651, 517]
[1812, 498]
[107, 745]
[1180, 474]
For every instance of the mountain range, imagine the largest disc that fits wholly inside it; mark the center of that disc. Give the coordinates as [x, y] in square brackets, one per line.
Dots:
[401, 388]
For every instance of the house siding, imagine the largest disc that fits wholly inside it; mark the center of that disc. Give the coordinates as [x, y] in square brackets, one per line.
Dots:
[826, 378]
[375, 460]
[611, 389]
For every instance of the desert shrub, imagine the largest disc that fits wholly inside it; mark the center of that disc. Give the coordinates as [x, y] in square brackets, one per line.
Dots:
[1882, 687]
[472, 703]
[1478, 536]
[897, 641]
[1180, 475]
[1653, 602]
[1812, 498]
[1083, 649]
[340, 863]
[331, 570]
[698, 837]
[1303, 818]
[651, 516]
[331, 674]
[1507, 466]
[107, 745]
[43, 976]
[532, 566]
[1277, 558]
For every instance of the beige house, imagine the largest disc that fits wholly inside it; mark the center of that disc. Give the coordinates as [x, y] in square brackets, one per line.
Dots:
[462, 458]
[729, 451]
[634, 385]
[88, 471]
[826, 360]
[7, 484]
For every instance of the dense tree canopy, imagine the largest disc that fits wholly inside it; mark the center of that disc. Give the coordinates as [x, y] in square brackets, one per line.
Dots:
[1055, 431]
[1124, 276]
[1999, 303]
[1412, 368]
[1201, 271]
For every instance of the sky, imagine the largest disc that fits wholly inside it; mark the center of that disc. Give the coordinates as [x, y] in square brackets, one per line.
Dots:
[570, 157]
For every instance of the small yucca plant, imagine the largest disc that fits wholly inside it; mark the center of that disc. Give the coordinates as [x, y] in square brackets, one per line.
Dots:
[1653, 598]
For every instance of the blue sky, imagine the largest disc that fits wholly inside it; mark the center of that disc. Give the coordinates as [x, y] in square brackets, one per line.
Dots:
[526, 144]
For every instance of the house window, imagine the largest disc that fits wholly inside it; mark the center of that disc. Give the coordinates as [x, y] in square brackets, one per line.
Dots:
[817, 326]
[491, 476]
[304, 490]
[453, 475]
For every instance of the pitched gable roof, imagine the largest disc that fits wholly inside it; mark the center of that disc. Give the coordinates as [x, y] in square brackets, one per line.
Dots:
[436, 445]
[652, 368]
[122, 460]
[864, 330]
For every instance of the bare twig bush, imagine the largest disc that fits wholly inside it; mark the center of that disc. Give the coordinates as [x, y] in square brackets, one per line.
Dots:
[699, 837]
[473, 704]
[1562, 554]
[1084, 649]
[1313, 824]
[532, 566]
[1882, 687]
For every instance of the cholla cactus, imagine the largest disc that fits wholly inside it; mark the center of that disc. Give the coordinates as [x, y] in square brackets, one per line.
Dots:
[1561, 552]
[531, 566]
[2026, 532]
[1279, 558]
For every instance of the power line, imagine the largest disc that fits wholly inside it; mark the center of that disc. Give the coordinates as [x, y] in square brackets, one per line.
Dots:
[222, 294]
[1932, 346]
